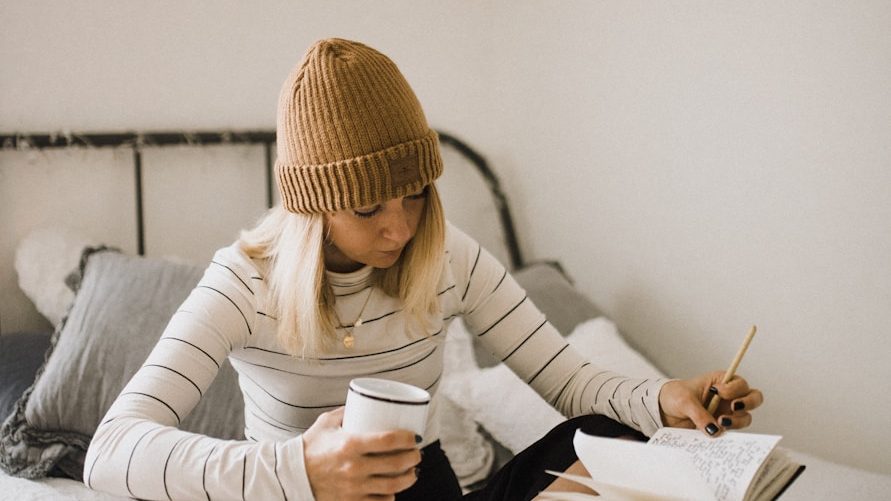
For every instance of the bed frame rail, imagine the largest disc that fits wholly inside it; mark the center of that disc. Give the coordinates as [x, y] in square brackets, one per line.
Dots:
[137, 140]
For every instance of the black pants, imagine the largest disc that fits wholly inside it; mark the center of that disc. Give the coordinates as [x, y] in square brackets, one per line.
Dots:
[524, 476]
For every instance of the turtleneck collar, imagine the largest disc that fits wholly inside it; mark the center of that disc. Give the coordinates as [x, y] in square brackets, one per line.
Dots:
[354, 281]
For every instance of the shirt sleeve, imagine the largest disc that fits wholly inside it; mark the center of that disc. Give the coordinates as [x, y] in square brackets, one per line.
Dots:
[501, 316]
[138, 450]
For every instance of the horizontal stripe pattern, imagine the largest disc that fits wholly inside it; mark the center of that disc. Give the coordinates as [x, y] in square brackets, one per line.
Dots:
[227, 317]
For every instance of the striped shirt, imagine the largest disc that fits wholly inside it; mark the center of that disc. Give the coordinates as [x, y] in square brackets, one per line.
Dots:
[138, 450]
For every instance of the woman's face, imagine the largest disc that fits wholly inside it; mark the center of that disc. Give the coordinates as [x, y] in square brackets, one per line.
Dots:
[373, 235]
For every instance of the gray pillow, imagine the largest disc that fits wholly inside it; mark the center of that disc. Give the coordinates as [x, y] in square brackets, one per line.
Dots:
[21, 354]
[549, 289]
[121, 308]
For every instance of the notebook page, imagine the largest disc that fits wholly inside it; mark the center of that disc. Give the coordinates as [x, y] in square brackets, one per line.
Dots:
[727, 463]
[657, 471]
[605, 492]
[774, 476]
[769, 471]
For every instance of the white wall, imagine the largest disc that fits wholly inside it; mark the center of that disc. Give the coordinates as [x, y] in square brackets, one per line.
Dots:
[705, 166]
[697, 166]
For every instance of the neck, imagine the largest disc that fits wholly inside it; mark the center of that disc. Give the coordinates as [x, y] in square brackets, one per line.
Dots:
[337, 262]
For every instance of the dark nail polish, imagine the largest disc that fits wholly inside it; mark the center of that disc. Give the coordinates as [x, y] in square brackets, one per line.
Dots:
[711, 429]
[712, 390]
[418, 439]
[417, 471]
[738, 406]
[726, 422]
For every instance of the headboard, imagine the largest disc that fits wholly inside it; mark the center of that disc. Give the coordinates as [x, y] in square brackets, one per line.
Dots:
[185, 194]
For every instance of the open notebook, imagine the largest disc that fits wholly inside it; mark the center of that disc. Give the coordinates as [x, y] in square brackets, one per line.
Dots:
[682, 464]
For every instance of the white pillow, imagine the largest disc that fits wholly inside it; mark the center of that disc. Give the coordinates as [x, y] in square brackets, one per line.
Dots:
[42, 261]
[470, 453]
[599, 341]
[511, 411]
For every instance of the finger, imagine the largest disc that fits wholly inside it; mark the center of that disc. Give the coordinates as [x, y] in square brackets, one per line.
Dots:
[385, 485]
[384, 441]
[735, 388]
[393, 463]
[331, 419]
[704, 421]
[735, 421]
[714, 377]
[748, 402]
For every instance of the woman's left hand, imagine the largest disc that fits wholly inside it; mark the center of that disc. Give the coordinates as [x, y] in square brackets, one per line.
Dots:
[683, 403]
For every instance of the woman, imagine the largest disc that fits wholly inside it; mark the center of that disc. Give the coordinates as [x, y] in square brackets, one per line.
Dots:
[357, 273]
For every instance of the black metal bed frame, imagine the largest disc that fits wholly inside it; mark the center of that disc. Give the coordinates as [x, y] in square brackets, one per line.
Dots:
[137, 140]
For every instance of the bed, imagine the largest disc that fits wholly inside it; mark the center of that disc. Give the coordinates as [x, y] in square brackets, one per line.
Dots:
[87, 304]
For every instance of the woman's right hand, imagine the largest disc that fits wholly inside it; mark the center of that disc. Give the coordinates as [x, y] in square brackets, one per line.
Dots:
[345, 466]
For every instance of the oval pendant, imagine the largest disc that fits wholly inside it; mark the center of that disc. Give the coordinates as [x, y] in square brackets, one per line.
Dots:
[348, 341]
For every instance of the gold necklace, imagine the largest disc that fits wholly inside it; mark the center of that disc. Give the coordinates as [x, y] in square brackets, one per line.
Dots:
[349, 340]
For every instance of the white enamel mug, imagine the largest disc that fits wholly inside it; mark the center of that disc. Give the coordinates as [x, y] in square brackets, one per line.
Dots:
[374, 404]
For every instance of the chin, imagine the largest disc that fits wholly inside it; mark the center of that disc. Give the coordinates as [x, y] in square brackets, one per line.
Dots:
[386, 262]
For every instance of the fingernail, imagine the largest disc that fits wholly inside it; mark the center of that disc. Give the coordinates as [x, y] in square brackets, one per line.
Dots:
[712, 390]
[711, 429]
[726, 421]
[739, 405]
[418, 439]
[417, 471]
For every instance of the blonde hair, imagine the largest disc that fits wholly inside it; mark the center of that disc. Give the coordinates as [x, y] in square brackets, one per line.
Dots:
[291, 248]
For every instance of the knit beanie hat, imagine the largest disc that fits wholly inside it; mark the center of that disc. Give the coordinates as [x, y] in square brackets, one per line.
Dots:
[351, 132]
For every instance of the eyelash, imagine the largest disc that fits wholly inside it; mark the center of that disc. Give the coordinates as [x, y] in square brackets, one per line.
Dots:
[366, 215]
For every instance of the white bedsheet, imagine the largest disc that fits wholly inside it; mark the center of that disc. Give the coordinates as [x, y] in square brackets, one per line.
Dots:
[827, 480]
[821, 480]
[48, 489]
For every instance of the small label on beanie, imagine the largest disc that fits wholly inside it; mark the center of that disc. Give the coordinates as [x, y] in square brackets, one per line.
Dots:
[404, 170]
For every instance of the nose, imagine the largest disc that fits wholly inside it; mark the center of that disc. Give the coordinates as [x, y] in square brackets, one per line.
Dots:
[397, 226]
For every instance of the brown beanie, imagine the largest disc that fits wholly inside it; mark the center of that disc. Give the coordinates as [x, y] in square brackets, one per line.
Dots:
[351, 132]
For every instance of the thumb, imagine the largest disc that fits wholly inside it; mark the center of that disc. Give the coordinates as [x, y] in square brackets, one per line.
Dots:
[700, 417]
[332, 419]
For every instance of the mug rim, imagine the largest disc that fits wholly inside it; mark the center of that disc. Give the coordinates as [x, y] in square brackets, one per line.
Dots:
[376, 389]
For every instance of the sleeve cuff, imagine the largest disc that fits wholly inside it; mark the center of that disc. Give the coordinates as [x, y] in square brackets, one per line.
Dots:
[299, 480]
[652, 418]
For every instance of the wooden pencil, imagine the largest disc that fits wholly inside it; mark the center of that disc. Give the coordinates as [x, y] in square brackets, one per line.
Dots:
[713, 404]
